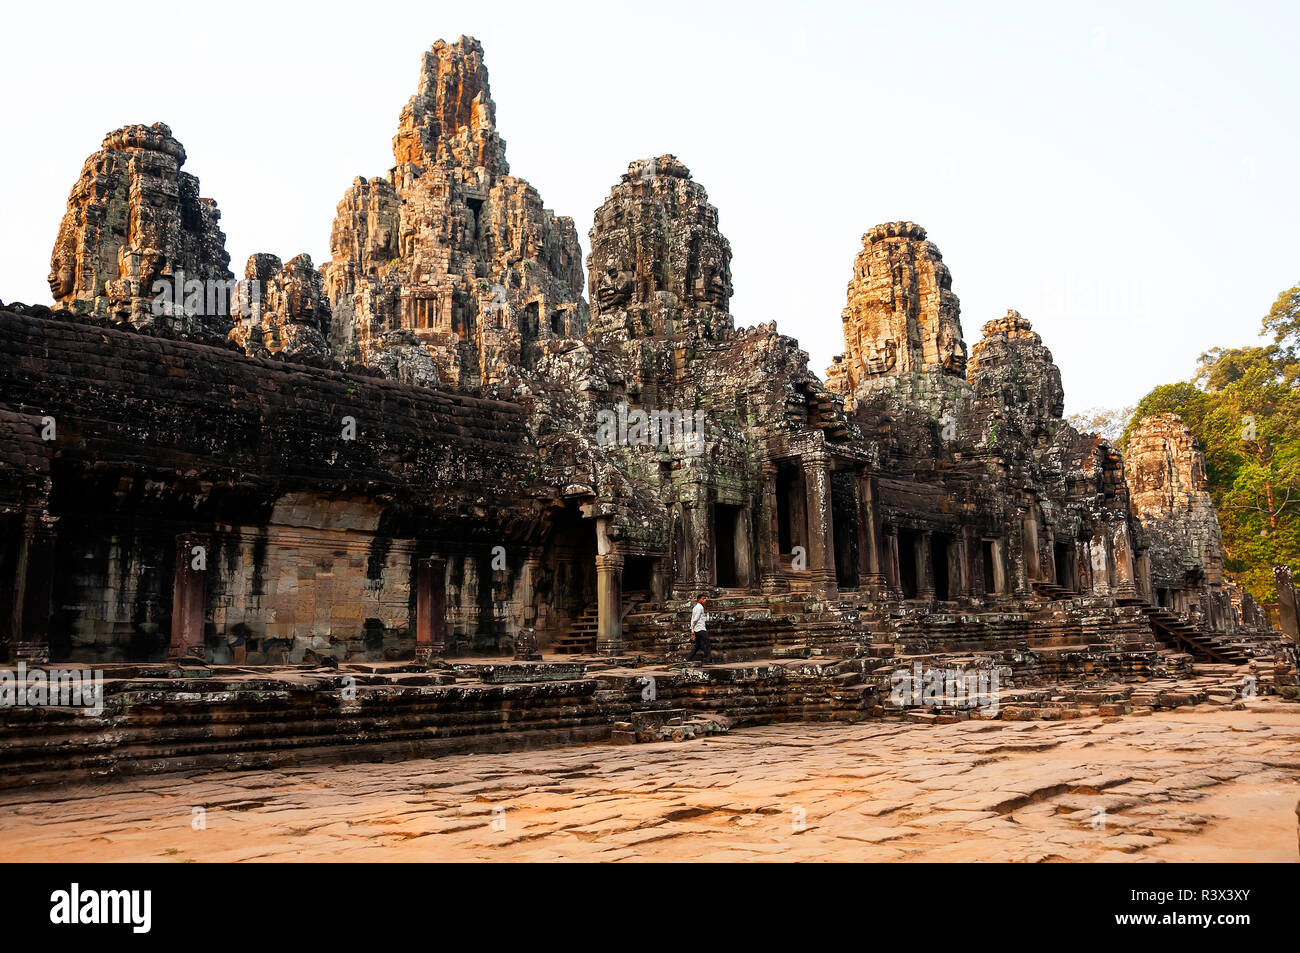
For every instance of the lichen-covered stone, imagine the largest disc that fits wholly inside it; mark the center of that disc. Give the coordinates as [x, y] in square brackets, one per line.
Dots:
[901, 316]
[282, 307]
[133, 220]
[658, 264]
[449, 256]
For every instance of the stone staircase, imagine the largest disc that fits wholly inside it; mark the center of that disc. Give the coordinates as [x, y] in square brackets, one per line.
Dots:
[1177, 633]
[1052, 592]
[581, 637]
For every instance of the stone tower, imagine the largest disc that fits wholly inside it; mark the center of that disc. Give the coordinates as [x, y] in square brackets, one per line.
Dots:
[902, 317]
[449, 260]
[134, 220]
[282, 307]
[1169, 493]
[658, 264]
[1011, 363]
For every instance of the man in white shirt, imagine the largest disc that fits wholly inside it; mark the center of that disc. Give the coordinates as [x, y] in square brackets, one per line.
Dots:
[701, 633]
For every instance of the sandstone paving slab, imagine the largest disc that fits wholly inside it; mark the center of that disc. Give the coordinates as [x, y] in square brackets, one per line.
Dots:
[1172, 786]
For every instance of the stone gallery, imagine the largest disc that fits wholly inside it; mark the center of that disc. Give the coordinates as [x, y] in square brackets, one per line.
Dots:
[449, 490]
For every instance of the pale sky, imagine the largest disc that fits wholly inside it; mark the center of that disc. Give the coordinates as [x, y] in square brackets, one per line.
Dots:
[1124, 175]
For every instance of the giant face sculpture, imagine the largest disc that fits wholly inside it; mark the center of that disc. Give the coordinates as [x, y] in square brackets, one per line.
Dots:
[952, 352]
[613, 289]
[62, 277]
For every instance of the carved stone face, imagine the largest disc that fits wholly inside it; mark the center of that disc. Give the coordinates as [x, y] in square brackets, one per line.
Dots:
[882, 359]
[716, 289]
[613, 289]
[62, 277]
[952, 354]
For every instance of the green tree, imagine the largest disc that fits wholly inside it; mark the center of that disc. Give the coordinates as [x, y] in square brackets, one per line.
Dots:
[1283, 319]
[1243, 405]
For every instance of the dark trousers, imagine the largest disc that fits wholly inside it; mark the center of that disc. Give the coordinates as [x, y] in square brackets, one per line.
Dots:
[701, 645]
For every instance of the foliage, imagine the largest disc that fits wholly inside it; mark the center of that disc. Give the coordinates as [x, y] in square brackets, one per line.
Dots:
[1243, 405]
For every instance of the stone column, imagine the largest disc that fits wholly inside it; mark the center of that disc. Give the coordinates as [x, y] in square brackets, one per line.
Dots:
[698, 527]
[1029, 529]
[869, 574]
[609, 602]
[33, 582]
[769, 533]
[1099, 550]
[971, 558]
[1049, 556]
[16, 541]
[661, 579]
[189, 597]
[924, 565]
[1083, 566]
[527, 587]
[430, 609]
[1125, 588]
[1000, 566]
[1288, 616]
[1144, 576]
[742, 537]
[821, 528]
[892, 563]
[956, 568]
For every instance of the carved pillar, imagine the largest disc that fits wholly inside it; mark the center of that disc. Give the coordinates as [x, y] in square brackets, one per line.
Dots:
[1082, 566]
[1144, 576]
[956, 556]
[924, 565]
[821, 528]
[698, 526]
[869, 574]
[1099, 550]
[769, 533]
[33, 581]
[972, 560]
[1125, 587]
[743, 541]
[609, 602]
[1029, 545]
[892, 563]
[15, 552]
[661, 580]
[528, 589]
[189, 597]
[999, 548]
[431, 609]
[1049, 556]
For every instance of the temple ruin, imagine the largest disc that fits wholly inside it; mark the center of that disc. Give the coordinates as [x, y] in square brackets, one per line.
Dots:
[448, 443]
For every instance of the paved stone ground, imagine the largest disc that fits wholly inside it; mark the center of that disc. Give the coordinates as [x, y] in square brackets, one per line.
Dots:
[1199, 784]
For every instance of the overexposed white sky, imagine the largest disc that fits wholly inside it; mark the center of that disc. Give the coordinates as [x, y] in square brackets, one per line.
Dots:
[1123, 174]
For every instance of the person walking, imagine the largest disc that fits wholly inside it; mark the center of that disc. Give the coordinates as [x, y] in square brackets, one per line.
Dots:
[699, 629]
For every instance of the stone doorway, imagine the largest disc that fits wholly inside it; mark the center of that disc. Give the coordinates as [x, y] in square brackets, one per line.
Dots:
[724, 545]
[907, 548]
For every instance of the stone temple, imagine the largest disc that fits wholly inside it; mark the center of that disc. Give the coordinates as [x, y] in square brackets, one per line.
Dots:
[451, 451]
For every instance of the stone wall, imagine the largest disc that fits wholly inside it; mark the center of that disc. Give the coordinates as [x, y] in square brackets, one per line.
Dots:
[308, 536]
